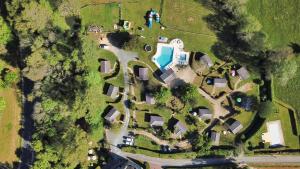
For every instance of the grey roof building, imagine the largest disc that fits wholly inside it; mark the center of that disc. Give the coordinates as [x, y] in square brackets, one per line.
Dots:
[205, 59]
[204, 114]
[149, 99]
[156, 121]
[243, 73]
[112, 115]
[220, 82]
[179, 129]
[112, 91]
[168, 76]
[234, 127]
[105, 66]
[215, 138]
[143, 73]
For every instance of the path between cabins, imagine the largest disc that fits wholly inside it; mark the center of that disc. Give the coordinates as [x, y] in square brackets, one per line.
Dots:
[182, 144]
[219, 110]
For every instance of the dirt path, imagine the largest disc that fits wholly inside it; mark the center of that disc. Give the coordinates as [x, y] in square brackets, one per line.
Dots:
[181, 144]
[9, 126]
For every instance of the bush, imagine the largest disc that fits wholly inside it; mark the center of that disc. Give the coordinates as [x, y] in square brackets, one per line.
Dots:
[163, 95]
[10, 78]
[266, 109]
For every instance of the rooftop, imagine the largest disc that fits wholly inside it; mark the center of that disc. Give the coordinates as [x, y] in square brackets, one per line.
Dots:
[105, 66]
[220, 82]
[143, 73]
[112, 115]
[243, 73]
[156, 121]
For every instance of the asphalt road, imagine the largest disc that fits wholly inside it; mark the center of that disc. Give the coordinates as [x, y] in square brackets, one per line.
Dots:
[213, 161]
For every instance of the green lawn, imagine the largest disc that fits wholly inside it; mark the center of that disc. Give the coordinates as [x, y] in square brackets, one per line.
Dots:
[145, 142]
[280, 20]
[200, 39]
[140, 115]
[96, 99]
[186, 155]
[290, 93]
[105, 15]
[291, 140]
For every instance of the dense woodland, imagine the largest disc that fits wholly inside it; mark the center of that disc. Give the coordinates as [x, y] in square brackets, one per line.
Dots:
[45, 39]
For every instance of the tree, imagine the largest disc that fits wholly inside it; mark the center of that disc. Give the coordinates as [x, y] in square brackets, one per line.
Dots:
[36, 66]
[134, 44]
[199, 142]
[266, 109]
[69, 8]
[36, 16]
[163, 95]
[285, 70]
[188, 93]
[10, 78]
[5, 35]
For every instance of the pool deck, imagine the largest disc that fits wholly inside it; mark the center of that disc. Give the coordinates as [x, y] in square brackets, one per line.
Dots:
[175, 58]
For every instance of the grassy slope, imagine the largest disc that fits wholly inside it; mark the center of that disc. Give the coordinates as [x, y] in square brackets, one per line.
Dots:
[290, 93]
[290, 139]
[95, 92]
[9, 126]
[135, 11]
[105, 15]
[280, 20]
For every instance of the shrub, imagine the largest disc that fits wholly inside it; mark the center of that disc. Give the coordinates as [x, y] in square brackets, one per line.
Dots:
[266, 109]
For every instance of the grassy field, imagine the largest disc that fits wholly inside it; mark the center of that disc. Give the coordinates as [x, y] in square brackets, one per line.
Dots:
[9, 126]
[105, 15]
[200, 39]
[290, 93]
[97, 100]
[145, 142]
[280, 20]
[291, 140]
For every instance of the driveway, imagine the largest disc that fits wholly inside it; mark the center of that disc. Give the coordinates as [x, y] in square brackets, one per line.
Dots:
[124, 57]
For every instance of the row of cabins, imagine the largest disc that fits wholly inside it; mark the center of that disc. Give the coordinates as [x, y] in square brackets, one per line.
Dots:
[242, 72]
[179, 128]
[233, 126]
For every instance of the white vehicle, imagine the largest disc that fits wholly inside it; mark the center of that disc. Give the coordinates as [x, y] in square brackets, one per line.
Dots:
[129, 139]
[104, 46]
[129, 143]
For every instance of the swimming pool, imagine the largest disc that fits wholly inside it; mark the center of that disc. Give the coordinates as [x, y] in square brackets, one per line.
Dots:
[164, 57]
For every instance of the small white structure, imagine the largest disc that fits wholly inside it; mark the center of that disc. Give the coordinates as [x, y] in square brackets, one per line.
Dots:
[274, 135]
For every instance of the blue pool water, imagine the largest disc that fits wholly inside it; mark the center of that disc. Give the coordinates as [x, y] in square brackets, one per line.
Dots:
[166, 57]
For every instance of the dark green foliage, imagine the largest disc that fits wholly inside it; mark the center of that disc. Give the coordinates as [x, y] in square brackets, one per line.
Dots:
[5, 35]
[188, 93]
[134, 44]
[163, 95]
[266, 109]
[199, 142]
[52, 57]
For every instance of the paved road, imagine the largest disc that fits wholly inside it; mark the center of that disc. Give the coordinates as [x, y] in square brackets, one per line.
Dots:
[212, 161]
[27, 153]
[124, 57]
